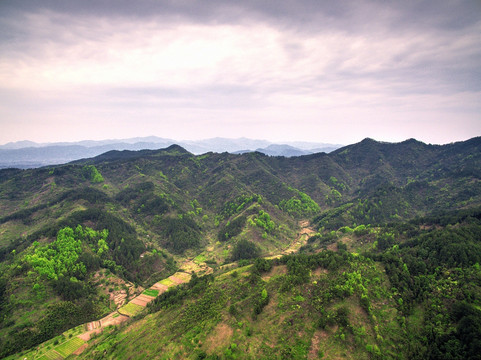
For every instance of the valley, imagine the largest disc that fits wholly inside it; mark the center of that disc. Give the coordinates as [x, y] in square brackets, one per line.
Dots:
[371, 251]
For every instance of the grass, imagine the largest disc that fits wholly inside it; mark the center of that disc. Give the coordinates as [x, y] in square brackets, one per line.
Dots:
[51, 355]
[69, 346]
[200, 259]
[74, 331]
[167, 282]
[131, 309]
[151, 292]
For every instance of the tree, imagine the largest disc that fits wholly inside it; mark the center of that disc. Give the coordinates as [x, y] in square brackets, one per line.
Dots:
[91, 173]
[245, 249]
[59, 258]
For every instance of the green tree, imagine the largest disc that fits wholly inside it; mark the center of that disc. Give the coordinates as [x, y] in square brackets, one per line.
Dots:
[92, 174]
[245, 249]
[59, 258]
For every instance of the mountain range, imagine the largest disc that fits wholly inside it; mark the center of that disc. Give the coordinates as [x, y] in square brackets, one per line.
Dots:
[28, 154]
[370, 251]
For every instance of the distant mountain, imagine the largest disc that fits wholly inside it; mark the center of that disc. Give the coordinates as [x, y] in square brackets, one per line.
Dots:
[283, 150]
[28, 154]
[20, 145]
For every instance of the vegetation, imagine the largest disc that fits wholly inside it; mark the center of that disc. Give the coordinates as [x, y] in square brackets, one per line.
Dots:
[232, 228]
[92, 174]
[245, 249]
[300, 205]
[181, 233]
[151, 292]
[345, 296]
[387, 267]
[60, 258]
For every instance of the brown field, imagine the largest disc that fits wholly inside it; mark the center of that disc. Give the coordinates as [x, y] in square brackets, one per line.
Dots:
[142, 300]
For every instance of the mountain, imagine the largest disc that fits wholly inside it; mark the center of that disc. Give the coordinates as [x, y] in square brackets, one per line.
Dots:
[370, 251]
[283, 150]
[20, 145]
[27, 154]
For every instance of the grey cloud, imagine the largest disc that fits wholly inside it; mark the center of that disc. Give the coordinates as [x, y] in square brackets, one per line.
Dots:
[300, 13]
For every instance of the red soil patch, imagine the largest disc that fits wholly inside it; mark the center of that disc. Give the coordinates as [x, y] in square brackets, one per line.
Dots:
[86, 336]
[306, 231]
[80, 349]
[323, 334]
[142, 300]
[161, 287]
[304, 223]
[111, 320]
[93, 325]
[332, 247]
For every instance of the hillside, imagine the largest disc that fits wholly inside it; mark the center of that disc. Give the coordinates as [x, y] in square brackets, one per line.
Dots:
[128, 219]
[386, 303]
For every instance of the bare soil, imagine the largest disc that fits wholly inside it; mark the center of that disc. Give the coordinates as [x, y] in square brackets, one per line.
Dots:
[80, 349]
[160, 287]
[276, 270]
[142, 300]
[320, 271]
[176, 280]
[301, 238]
[219, 337]
[122, 289]
[315, 345]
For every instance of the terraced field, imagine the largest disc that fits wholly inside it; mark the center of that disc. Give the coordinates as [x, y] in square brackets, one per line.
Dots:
[131, 309]
[83, 333]
[69, 346]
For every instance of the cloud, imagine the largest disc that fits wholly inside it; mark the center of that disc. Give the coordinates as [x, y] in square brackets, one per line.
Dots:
[215, 63]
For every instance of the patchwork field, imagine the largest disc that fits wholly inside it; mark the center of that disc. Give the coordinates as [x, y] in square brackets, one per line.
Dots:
[69, 346]
[131, 309]
[50, 355]
[49, 351]
[151, 292]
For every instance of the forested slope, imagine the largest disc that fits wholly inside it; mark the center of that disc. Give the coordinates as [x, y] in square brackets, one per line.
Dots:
[133, 218]
[403, 291]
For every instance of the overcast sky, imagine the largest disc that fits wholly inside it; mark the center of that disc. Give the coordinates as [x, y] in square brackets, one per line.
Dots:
[324, 71]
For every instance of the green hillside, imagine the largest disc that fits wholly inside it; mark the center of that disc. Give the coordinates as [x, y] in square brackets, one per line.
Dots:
[395, 299]
[386, 265]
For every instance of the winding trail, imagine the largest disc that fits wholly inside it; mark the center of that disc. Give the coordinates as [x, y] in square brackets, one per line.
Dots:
[302, 236]
[299, 241]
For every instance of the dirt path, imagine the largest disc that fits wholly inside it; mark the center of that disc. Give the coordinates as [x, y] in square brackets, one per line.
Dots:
[301, 239]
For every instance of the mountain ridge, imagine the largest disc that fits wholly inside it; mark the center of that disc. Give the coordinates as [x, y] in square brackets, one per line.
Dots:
[37, 155]
[137, 217]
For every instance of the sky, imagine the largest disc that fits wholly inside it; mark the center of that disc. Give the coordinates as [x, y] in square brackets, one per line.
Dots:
[322, 71]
